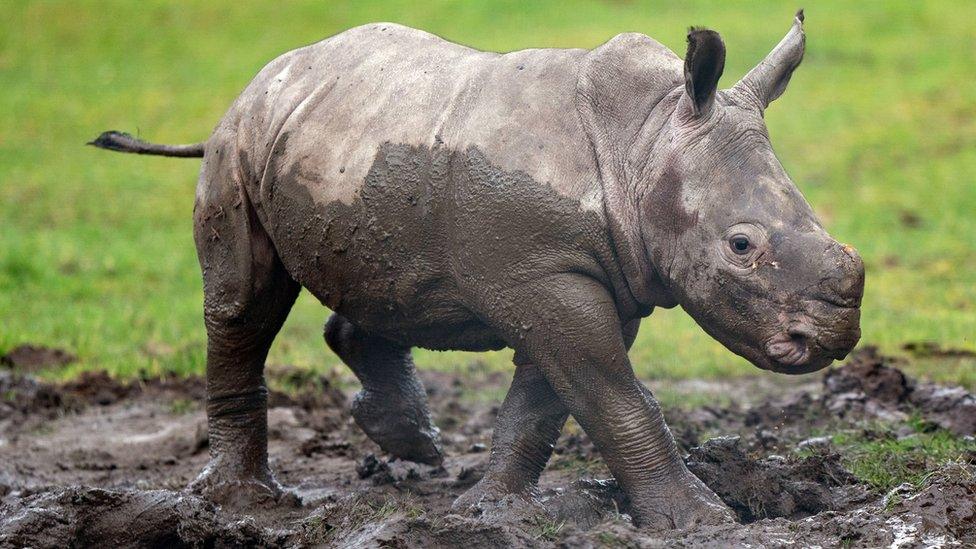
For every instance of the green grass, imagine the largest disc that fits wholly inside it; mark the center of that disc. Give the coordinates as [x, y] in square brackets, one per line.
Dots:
[181, 406]
[547, 528]
[886, 461]
[885, 454]
[878, 129]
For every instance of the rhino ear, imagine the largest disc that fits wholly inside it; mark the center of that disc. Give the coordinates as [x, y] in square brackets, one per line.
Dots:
[768, 79]
[704, 64]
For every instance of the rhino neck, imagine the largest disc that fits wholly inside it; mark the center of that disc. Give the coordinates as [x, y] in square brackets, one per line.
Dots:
[657, 191]
[623, 93]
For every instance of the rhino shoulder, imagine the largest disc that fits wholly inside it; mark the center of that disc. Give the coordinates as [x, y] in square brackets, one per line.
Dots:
[627, 75]
[618, 85]
[637, 44]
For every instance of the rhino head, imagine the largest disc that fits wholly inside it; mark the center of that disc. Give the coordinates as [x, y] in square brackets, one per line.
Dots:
[740, 249]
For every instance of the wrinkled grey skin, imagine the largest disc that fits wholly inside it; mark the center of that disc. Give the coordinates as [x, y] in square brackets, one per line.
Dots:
[545, 200]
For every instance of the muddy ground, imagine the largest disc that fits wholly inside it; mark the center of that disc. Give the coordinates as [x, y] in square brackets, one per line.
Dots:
[100, 462]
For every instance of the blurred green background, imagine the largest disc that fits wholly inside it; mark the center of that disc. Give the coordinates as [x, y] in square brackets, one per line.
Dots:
[96, 256]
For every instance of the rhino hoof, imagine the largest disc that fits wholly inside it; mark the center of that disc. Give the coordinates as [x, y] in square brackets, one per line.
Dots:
[695, 508]
[488, 500]
[242, 493]
[405, 432]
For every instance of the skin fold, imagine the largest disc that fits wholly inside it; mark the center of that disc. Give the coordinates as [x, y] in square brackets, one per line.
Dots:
[545, 200]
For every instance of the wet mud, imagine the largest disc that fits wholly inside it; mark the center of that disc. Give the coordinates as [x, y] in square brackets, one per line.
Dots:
[96, 461]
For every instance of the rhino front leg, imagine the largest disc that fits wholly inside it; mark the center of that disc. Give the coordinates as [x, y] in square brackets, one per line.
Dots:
[527, 426]
[576, 339]
[392, 407]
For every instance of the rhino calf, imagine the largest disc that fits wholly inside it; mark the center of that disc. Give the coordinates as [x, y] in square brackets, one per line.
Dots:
[546, 200]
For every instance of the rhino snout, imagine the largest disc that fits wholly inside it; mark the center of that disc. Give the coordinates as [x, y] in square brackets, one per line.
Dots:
[843, 282]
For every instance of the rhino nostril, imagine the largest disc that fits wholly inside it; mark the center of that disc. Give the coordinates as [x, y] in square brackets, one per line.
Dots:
[791, 348]
[843, 289]
[850, 287]
[799, 342]
[800, 332]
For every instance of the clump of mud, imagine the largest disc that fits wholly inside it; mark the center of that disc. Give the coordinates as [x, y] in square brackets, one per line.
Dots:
[97, 460]
[26, 398]
[82, 516]
[868, 388]
[773, 486]
[29, 358]
[25, 395]
[394, 471]
[871, 385]
[943, 509]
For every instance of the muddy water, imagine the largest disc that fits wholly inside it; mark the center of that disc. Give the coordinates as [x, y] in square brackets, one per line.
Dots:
[96, 461]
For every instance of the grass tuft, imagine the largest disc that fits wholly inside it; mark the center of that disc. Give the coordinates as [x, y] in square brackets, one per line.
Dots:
[885, 461]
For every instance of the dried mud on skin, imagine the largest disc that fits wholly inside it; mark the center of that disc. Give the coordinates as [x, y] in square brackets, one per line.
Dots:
[96, 461]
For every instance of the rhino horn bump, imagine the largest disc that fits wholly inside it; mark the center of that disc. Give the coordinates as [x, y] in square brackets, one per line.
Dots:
[768, 80]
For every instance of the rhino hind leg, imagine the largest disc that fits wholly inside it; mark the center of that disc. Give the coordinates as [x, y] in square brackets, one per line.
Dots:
[247, 296]
[528, 424]
[392, 406]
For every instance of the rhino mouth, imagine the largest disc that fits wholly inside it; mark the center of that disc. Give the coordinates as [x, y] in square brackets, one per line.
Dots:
[802, 348]
[795, 361]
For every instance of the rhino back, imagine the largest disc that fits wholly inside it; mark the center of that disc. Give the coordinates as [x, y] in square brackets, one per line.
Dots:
[341, 98]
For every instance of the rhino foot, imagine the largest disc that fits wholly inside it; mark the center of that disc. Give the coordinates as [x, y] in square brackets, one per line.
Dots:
[687, 503]
[400, 428]
[392, 407]
[242, 492]
[473, 501]
[491, 499]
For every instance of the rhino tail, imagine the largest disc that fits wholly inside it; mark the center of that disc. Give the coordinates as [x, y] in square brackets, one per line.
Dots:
[123, 142]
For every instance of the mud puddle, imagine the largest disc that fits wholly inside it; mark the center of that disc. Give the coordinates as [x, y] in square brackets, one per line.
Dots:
[96, 461]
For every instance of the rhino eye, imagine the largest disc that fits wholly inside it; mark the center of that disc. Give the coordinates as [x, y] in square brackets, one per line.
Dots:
[739, 244]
